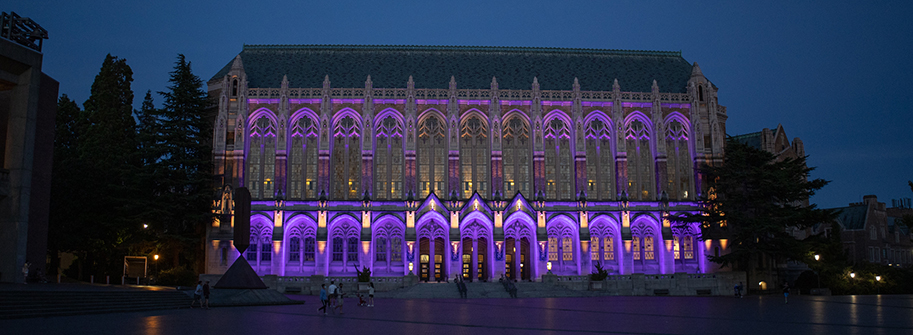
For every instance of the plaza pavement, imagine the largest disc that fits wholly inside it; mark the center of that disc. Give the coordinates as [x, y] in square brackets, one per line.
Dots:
[887, 314]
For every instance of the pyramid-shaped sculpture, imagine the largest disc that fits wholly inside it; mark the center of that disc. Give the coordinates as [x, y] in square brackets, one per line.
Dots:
[240, 274]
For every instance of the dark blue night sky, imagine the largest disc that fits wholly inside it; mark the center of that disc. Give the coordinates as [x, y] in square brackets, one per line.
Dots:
[837, 74]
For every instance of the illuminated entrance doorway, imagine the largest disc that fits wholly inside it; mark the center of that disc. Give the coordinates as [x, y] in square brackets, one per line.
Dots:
[431, 259]
[474, 257]
[517, 259]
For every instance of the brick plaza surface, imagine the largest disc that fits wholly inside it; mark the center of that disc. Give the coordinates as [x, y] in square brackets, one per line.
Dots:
[619, 315]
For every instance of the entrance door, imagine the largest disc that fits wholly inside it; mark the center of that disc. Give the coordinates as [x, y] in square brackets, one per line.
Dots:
[525, 268]
[424, 259]
[467, 259]
[482, 265]
[509, 270]
[439, 273]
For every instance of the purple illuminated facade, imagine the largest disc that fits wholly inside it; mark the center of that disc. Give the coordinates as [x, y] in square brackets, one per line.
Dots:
[506, 179]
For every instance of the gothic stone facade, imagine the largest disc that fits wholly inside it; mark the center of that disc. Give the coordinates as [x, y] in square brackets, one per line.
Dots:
[471, 161]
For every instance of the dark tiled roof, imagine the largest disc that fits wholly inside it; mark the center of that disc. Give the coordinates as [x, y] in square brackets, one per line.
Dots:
[852, 217]
[473, 67]
[753, 139]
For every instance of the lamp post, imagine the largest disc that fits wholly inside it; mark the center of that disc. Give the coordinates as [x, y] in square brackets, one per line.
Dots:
[877, 280]
[818, 273]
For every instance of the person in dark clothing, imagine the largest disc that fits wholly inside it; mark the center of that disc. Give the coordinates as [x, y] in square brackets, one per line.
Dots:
[205, 295]
[786, 292]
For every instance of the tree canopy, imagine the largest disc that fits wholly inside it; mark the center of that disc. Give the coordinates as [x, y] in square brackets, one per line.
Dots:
[754, 200]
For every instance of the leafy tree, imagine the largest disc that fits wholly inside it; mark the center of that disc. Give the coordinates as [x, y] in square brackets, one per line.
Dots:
[754, 200]
[66, 180]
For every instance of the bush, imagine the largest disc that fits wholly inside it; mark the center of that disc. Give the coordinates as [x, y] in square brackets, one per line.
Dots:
[600, 274]
[179, 276]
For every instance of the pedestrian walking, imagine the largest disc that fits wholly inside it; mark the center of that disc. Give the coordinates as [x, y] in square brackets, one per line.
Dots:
[197, 295]
[371, 295]
[25, 272]
[740, 289]
[339, 299]
[332, 293]
[206, 295]
[323, 299]
[786, 292]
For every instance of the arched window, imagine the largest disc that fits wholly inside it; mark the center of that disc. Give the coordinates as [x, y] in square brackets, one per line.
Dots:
[309, 248]
[600, 162]
[352, 249]
[640, 161]
[338, 248]
[559, 179]
[266, 250]
[346, 159]
[700, 92]
[561, 245]
[602, 244]
[643, 244]
[388, 160]
[294, 251]
[432, 156]
[262, 158]
[302, 173]
[679, 166]
[234, 88]
[474, 156]
[516, 153]
[380, 249]
[396, 250]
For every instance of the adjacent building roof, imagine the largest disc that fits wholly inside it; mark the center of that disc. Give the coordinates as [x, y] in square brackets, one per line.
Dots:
[852, 217]
[751, 139]
[348, 66]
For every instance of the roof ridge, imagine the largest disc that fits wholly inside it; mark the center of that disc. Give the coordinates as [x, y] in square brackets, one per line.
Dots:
[392, 47]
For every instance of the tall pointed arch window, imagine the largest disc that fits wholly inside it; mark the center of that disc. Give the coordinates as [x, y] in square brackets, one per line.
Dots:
[640, 161]
[474, 156]
[388, 160]
[302, 174]
[432, 156]
[261, 158]
[516, 156]
[679, 167]
[559, 178]
[600, 162]
[346, 159]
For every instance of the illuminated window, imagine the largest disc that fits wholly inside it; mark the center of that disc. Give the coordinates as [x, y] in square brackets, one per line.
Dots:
[558, 160]
[347, 159]
[388, 158]
[608, 249]
[640, 160]
[516, 153]
[261, 158]
[689, 247]
[474, 155]
[432, 155]
[648, 247]
[679, 166]
[635, 247]
[600, 163]
[675, 247]
[567, 245]
[552, 248]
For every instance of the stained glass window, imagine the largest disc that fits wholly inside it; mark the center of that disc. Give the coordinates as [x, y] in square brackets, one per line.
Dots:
[516, 153]
[600, 163]
[294, 253]
[640, 161]
[474, 155]
[432, 156]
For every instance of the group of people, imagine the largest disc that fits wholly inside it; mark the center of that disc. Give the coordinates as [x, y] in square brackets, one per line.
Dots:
[333, 297]
[201, 294]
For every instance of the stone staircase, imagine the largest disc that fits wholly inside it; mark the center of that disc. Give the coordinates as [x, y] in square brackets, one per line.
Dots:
[481, 290]
[43, 303]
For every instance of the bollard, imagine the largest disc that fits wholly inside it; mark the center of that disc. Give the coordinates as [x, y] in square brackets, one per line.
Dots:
[137, 280]
[92, 279]
[123, 280]
[108, 280]
[58, 278]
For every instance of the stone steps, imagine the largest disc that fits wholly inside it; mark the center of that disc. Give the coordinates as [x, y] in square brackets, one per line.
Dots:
[31, 304]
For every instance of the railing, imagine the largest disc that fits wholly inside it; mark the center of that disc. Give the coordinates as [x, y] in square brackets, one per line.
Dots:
[467, 94]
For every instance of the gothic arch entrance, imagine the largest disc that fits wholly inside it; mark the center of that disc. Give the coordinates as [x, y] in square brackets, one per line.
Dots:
[517, 254]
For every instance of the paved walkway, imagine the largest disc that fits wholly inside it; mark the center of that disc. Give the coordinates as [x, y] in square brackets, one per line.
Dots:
[619, 315]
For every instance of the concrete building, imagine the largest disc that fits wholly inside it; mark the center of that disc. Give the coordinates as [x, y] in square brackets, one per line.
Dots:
[28, 103]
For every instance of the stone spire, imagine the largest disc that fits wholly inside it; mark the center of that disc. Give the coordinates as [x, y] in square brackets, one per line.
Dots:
[696, 71]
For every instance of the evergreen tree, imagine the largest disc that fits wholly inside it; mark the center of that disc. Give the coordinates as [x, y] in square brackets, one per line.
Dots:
[185, 180]
[66, 201]
[106, 150]
[753, 201]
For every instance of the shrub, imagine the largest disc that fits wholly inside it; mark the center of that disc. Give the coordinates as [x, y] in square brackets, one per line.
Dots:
[179, 276]
[600, 274]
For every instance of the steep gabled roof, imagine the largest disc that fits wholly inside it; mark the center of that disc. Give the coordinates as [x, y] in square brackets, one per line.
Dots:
[473, 67]
[751, 139]
[852, 217]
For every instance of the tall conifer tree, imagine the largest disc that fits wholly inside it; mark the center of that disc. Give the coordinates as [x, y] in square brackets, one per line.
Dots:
[754, 200]
[186, 161]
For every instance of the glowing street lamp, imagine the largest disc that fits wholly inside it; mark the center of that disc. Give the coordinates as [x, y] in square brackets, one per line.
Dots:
[853, 275]
[878, 278]
[817, 257]
[410, 268]
[155, 257]
[548, 265]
